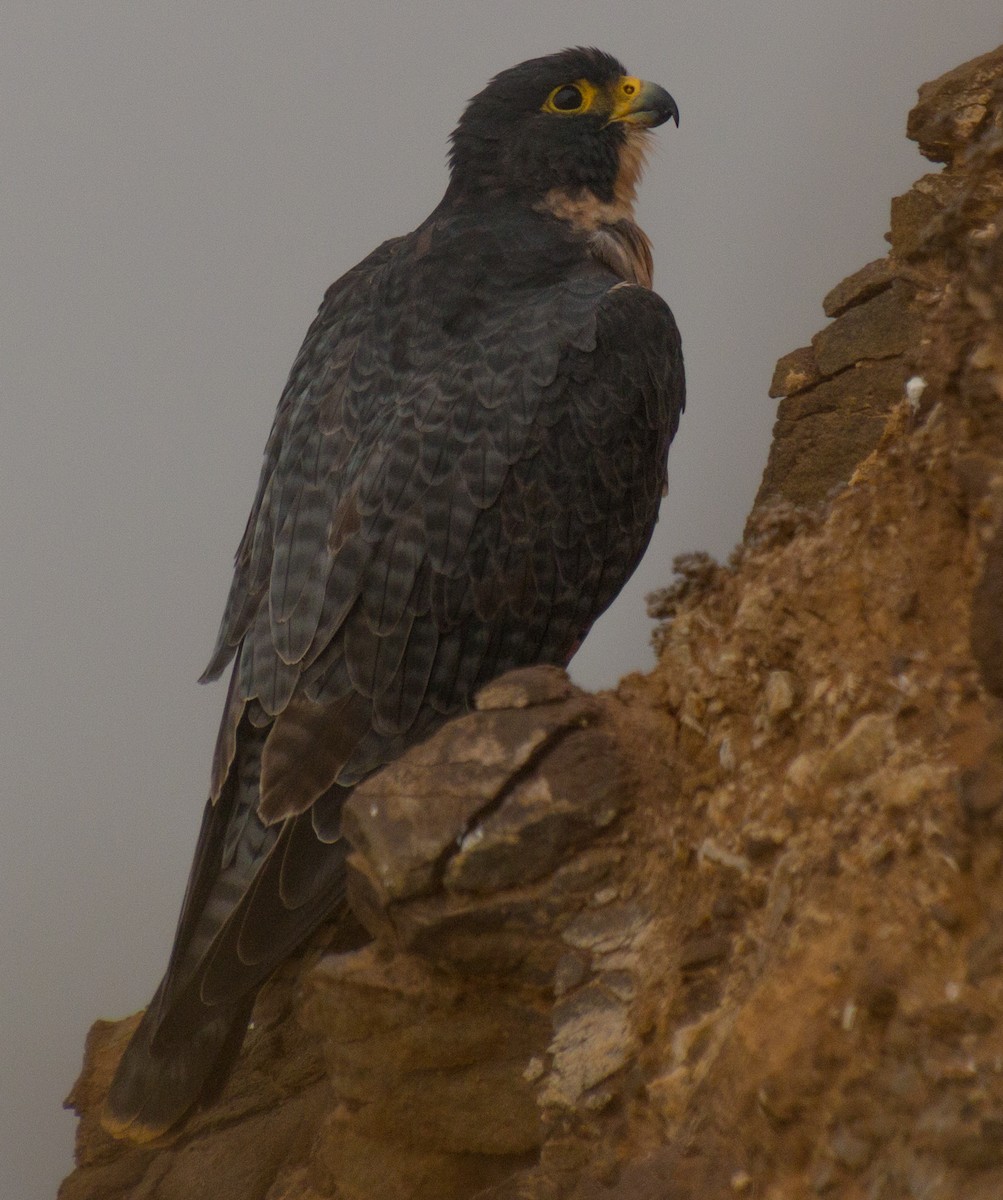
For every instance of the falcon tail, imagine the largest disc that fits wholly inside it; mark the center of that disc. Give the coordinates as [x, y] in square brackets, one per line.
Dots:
[154, 1087]
[256, 893]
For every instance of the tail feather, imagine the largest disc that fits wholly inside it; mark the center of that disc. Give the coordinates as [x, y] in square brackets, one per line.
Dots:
[155, 1086]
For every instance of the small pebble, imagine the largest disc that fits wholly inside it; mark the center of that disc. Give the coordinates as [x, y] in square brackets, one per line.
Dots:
[778, 694]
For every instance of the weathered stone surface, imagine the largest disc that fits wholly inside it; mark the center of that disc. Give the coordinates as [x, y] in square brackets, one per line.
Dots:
[512, 932]
[566, 802]
[794, 372]
[531, 685]
[822, 433]
[421, 1068]
[858, 287]
[914, 213]
[881, 327]
[838, 392]
[957, 107]
[404, 821]
[818, 457]
[593, 1040]
[872, 388]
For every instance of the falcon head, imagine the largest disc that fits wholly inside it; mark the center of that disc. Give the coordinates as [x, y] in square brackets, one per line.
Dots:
[573, 123]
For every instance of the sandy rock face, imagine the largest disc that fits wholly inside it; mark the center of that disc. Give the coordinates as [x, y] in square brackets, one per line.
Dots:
[738, 930]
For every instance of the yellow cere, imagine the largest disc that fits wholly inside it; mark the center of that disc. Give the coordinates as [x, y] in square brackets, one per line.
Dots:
[623, 94]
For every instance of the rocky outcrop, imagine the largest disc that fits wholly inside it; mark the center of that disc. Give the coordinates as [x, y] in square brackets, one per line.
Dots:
[837, 393]
[738, 929]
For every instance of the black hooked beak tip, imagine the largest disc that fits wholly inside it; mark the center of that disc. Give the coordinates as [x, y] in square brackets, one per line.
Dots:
[660, 104]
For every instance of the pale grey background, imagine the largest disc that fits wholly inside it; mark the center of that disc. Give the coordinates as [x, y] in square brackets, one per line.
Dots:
[180, 182]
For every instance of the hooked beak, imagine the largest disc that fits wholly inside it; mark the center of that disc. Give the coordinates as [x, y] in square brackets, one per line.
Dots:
[638, 102]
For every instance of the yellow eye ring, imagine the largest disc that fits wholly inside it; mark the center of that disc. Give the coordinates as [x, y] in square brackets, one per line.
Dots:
[570, 99]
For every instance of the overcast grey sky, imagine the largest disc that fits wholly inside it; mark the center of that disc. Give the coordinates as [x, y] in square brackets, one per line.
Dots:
[181, 182]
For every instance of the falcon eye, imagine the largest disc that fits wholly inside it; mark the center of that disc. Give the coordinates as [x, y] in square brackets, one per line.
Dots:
[567, 99]
[570, 98]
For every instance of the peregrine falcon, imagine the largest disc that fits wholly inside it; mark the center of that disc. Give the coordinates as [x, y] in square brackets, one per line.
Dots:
[464, 469]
